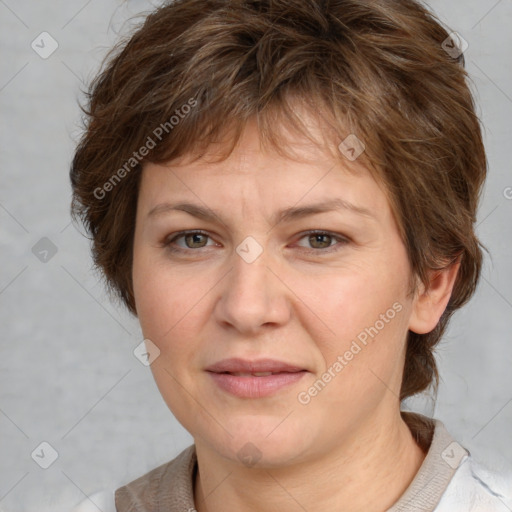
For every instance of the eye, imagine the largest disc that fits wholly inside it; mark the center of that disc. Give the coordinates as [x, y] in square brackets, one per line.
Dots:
[321, 241]
[193, 240]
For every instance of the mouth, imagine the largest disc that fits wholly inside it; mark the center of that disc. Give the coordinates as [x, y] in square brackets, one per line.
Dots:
[255, 368]
[256, 383]
[254, 374]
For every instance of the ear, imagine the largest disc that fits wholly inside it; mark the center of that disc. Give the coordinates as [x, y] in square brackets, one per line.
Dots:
[429, 304]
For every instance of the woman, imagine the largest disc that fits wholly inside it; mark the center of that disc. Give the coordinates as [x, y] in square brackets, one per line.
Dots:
[284, 193]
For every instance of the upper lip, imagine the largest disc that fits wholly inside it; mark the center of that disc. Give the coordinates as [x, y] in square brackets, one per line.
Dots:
[235, 365]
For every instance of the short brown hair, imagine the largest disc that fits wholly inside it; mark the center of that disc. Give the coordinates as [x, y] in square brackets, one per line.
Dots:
[377, 69]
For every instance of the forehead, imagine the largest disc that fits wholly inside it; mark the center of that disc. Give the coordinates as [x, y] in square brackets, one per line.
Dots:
[259, 178]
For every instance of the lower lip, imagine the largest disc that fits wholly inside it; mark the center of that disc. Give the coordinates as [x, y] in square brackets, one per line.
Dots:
[255, 387]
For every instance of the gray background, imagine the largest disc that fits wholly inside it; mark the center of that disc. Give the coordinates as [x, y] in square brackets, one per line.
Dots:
[68, 374]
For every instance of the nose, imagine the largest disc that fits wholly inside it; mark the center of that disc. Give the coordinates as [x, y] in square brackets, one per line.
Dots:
[254, 296]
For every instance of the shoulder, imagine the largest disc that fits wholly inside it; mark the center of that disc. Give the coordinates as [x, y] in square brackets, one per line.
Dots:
[169, 484]
[450, 478]
[478, 488]
[144, 492]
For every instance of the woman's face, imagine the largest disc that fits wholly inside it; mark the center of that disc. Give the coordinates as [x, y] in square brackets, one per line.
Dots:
[255, 285]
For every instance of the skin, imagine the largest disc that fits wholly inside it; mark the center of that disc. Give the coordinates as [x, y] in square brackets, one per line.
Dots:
[348, 449]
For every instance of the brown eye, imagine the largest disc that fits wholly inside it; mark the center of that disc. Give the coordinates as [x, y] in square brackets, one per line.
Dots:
[320, 242]
[323, 241]
[193, 240]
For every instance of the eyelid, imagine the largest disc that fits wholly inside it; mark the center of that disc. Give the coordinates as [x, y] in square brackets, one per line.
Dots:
[341, 239]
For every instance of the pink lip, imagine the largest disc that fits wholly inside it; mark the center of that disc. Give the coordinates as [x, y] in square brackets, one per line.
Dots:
[284, 375]
[255, 387]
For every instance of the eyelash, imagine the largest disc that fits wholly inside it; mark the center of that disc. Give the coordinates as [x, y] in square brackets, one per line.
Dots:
[341, 239]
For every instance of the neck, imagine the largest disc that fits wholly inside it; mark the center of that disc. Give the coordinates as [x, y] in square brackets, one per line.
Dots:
[368, 471]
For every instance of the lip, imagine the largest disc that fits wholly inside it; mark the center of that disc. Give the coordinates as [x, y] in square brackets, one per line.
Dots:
[236, 364]
[284, 375]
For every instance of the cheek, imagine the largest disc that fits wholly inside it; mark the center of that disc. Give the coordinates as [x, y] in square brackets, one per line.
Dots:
[171, 307]
[168, 308]
[364, 361]
[350, 302]
[159, 300]
[365, 312]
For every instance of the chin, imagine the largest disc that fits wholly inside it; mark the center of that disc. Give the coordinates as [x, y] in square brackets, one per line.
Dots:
[259, 441]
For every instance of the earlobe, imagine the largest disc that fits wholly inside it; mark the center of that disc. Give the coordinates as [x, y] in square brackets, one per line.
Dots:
[429, 304]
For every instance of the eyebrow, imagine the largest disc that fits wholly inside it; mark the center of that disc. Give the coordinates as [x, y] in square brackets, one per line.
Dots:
[285, 215]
